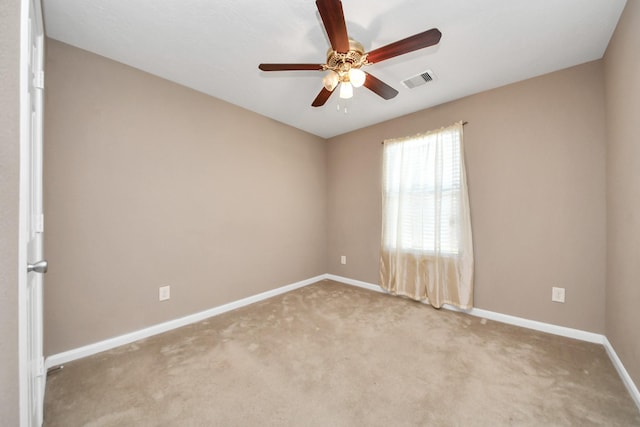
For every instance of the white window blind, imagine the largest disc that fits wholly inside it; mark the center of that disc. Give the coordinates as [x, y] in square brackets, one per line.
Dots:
[422, 188]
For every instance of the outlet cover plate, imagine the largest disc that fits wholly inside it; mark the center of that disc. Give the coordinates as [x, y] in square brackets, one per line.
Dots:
[557, 294]
[164, 293]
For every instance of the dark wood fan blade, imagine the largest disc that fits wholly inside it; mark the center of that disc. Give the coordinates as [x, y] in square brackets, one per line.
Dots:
[321, 98]
[333, 20]
[379, 87]
[289, 67]
[415, 42]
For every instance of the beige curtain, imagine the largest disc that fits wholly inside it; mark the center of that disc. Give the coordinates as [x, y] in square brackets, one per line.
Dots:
[427, 249]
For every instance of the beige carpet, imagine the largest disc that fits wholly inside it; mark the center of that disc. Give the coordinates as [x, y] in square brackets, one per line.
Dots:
[335, 355]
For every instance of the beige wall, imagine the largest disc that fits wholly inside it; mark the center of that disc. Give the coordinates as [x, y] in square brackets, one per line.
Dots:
[622, 82]
[9, 187]
[535, 154]
[148, 183]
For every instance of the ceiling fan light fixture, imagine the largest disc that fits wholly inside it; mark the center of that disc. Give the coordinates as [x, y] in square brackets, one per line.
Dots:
[357, 77]
[331, 80]
[346, 56]
[346, 90]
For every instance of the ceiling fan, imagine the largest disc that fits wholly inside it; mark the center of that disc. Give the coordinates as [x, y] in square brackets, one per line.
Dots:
[346, 57]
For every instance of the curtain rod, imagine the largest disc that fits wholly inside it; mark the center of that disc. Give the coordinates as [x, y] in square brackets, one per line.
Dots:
[463, 123]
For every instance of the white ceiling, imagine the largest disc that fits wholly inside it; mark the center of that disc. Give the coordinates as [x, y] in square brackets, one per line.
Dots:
[215, 46]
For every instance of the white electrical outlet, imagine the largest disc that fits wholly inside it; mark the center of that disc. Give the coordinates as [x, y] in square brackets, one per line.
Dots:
[557, 294]
[343, 259]
[164, 293]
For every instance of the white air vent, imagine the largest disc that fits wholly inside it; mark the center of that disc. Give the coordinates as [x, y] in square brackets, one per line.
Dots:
[419, 80]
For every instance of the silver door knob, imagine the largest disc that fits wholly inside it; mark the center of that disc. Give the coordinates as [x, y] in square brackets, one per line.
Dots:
[38, 267]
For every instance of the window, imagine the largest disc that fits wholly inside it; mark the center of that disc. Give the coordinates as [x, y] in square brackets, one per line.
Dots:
[427, 243]
[422, 185]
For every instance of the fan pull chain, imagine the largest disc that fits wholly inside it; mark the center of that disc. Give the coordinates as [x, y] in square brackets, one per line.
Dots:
[343, 104]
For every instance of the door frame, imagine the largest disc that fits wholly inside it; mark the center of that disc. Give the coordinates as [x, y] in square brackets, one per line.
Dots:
[24, 208]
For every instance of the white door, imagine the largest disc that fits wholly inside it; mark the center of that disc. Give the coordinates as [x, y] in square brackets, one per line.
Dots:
[32, 262]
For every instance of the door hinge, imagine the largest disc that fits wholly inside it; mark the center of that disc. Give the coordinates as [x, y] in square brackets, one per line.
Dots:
[38, 80]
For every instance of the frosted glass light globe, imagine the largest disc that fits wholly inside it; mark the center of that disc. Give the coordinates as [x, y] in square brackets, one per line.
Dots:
[346, 90]
[330, 80]
[357, 77]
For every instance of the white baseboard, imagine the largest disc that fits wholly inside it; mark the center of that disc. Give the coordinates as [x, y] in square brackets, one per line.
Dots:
[529, 324]
[88, 350]
[357, 283]
[533, 324]
[626, 378]
[491, 315]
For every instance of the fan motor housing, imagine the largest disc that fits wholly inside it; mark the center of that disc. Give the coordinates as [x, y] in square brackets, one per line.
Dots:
[354, 58]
